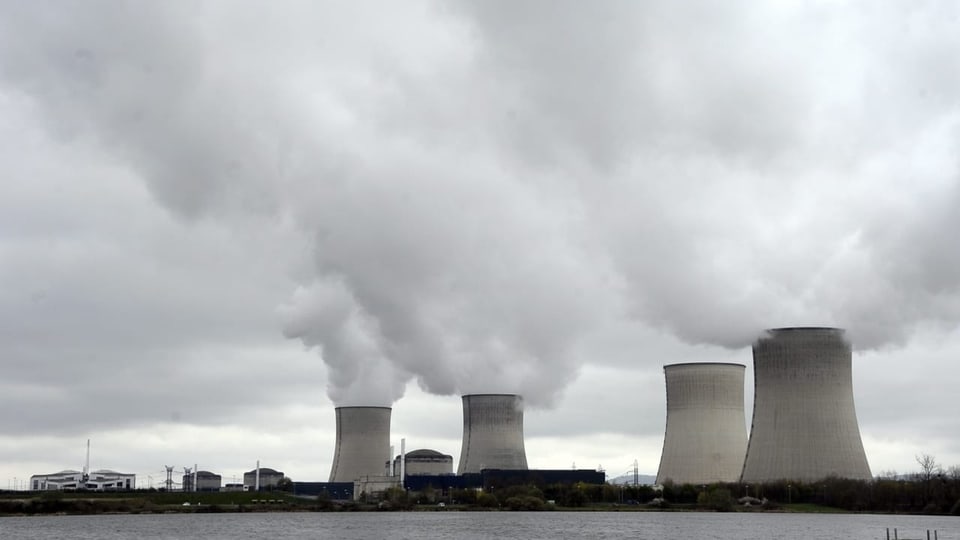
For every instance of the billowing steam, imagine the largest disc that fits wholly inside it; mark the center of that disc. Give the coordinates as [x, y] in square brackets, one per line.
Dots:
[485, 185]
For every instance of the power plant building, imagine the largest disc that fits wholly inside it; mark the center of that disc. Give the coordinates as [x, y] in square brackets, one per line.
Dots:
[424, 461]
[492, 433]
[100, 480]
[206, 481]
[269, 478]
[804, 420]
[363, 443]
[706, 435]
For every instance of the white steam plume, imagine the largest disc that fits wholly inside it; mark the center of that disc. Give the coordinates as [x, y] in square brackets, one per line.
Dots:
[485, 185]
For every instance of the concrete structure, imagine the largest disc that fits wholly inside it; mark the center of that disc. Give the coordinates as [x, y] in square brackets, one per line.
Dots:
[804, 421]
[373, 486]
[269, 479]
[706, 435]
[206, 481]
[492, 433]
[101, 480]
[363, 443]
[425, 461]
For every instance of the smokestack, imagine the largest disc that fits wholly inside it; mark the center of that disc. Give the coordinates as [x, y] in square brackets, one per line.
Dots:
[706, 435]
[256, 482]
[804, 420]
[403, 460]
[363, 438]
[86, 464]
[492, 433]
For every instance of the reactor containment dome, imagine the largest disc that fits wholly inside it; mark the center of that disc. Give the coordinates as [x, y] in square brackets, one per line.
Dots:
[363, 443]
[492, 433]
[804, 421]
[706, 435]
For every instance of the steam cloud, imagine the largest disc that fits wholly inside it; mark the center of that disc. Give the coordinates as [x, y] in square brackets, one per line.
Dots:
[484, 185]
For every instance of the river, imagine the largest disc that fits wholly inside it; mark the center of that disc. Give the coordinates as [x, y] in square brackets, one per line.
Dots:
[478, 525]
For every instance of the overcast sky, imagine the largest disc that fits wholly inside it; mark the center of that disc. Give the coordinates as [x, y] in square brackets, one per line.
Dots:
[218, 220]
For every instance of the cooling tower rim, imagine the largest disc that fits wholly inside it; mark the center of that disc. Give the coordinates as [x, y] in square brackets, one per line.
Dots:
[786, 329]
[426, 452]
[464, 396]
[692, 364]
[363, 407]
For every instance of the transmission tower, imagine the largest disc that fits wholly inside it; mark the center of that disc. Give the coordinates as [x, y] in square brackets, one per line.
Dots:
[169, 481]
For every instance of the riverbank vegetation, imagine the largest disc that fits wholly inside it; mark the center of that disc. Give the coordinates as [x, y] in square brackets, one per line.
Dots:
[932, 491]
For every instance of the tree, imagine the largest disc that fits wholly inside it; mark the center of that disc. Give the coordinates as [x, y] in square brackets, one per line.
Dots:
[487, 500]
[429, 494]
[718, 498]
[929, 471]
[396, 498]
[285, 484]
[929, 467]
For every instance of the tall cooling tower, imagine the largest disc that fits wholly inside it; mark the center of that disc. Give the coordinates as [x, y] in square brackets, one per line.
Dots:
[363, 443]
[804, 422]
[706, 436]
[492, 433]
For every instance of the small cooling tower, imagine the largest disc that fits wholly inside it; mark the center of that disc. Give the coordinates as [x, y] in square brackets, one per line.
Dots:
[804, 422]
[363, 443]
[706, 435]
[492, 433]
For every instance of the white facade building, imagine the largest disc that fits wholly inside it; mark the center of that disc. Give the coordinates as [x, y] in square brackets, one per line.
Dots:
[101, 480]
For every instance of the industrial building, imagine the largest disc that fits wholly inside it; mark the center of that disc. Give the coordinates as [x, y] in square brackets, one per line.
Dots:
[706, 434]
[492, 433]
[804, 420]
[424, 461]
[100, 480]
[206, 481]
[488, 479]
[363, 443]
[261, 478]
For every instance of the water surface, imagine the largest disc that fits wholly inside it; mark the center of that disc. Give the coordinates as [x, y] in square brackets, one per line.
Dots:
[477, 525]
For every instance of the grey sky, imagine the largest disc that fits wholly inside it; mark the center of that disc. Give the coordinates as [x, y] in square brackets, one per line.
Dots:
[219, 219]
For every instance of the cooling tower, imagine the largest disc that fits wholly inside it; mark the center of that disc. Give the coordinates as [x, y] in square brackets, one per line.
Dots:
[804, 423]
[706, 435]
[492, 433]
[363, 443]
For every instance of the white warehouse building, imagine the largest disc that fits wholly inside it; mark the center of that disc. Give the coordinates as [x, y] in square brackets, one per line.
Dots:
[101, 480]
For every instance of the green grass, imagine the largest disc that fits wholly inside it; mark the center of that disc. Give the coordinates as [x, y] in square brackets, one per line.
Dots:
[146, 501]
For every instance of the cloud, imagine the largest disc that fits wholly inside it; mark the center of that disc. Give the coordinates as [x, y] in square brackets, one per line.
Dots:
[746, 168]
[473, 196]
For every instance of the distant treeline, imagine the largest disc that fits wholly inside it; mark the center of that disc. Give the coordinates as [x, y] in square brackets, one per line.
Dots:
[931, 491]
[936, 494]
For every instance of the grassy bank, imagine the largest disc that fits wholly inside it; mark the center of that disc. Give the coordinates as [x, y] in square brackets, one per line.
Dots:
[155, 502]
[152, 502]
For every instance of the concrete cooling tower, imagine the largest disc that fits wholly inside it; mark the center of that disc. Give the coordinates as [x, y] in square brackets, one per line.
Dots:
[363, 443]
[706, 435]
[492, 433]
[804, 423]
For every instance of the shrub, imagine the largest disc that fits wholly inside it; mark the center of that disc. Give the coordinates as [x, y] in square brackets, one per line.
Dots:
[718, 499]
[524, 502]
[486, 500]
